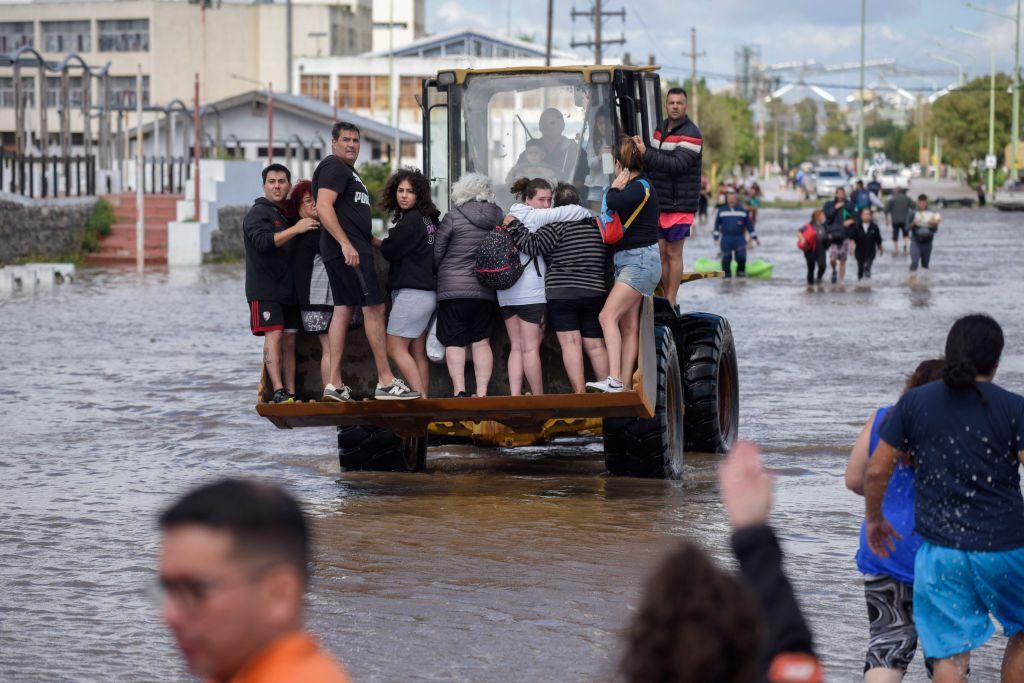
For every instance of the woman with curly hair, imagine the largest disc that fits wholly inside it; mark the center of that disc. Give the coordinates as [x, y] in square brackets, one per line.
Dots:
[409, 249]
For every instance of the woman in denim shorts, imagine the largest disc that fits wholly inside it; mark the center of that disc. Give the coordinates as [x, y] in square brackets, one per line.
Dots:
[637, 267]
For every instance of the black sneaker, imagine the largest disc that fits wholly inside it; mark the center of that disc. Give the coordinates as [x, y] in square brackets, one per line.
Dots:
[282, 396]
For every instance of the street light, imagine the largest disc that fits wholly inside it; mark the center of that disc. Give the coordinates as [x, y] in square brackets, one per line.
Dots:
[947, 60]
[1015, 135]
[989, 160]
[963, 53]
[860, 123]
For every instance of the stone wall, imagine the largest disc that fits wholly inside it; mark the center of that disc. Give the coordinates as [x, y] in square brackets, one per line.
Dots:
[226, 241]
[42, 229]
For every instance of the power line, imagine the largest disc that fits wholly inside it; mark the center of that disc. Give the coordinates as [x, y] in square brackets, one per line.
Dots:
[597, 16]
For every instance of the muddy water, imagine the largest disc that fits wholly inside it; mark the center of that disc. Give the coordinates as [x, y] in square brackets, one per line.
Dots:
[119, 392]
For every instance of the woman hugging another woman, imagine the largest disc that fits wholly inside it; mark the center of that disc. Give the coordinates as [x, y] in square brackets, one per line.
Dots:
[574, 283]
[523, 304]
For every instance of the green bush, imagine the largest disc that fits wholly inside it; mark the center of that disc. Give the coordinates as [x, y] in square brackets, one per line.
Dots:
[374, 177]
[101, 219]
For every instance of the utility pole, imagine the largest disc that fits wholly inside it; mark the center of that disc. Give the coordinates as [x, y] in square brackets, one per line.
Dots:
[1015, 133]
[693, 55]
[547, 46]
[860, 123]
[288, 42]
[394, 88]
[597, 15]
[140, 204]
[195, 152]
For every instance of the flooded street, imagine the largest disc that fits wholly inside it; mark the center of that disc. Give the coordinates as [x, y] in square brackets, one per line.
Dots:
[121, 392]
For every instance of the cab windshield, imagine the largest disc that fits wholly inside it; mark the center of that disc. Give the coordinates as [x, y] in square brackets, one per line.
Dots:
[551, 125]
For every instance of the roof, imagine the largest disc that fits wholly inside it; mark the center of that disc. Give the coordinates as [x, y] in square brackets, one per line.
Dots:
[523, 48]
[586, 69]
[317, 109]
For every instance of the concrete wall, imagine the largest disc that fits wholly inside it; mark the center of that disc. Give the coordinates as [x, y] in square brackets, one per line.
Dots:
[226, 240]
[43, 229]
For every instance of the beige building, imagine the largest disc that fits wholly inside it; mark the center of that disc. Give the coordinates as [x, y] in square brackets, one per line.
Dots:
[397, 23]
[243, 45]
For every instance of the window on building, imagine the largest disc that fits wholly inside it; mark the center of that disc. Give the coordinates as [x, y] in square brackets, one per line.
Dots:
[15, 34]
[354, 92]
[124, 35]
[28, 89]
[410, 88]
[380, 95]
[455, 47]
[122, 91]
[67, 36]
[53, 91]
[317, 87]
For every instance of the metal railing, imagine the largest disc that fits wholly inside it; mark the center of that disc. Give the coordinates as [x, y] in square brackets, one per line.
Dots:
[48, 176]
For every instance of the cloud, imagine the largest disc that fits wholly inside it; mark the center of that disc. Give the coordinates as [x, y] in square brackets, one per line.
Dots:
[889, 34]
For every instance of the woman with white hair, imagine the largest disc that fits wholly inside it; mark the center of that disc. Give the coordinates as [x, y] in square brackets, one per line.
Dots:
[465, 308]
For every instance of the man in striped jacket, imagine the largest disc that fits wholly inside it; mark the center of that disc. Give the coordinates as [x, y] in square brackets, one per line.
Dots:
[673, 164]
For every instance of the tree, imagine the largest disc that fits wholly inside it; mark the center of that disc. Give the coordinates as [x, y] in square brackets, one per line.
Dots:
[960, 119]
[807, 114]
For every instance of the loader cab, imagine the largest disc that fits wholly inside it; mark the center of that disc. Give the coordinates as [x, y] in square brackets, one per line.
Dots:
[560, 123]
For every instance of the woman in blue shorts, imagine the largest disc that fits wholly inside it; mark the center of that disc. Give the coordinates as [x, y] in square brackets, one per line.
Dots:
[966, 437]
[889, 581]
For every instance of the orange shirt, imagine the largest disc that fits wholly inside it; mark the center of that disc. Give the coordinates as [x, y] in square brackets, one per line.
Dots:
[293, 658]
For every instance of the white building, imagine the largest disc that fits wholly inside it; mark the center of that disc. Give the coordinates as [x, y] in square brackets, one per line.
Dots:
[361, 83]
[397, 23]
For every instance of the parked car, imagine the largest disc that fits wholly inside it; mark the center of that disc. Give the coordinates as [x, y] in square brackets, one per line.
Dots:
[827, 181]
[891, 180]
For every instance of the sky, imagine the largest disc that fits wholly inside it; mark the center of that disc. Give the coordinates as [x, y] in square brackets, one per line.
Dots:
[827, 31]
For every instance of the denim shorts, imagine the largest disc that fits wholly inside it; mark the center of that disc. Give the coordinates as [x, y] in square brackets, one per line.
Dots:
[639, 268]
[956, 590]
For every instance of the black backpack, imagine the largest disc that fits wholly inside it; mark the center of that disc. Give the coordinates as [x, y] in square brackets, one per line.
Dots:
[836, 232]
[498, 265]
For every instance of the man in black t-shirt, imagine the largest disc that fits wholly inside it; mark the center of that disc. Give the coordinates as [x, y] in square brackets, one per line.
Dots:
[273, 309]
[343, 205]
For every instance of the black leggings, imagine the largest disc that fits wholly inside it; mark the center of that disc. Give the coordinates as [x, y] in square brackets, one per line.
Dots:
[864, 267]
[815, 258]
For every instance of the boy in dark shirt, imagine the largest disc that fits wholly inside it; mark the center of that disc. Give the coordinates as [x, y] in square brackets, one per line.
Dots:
[965, 436]
[273, 309]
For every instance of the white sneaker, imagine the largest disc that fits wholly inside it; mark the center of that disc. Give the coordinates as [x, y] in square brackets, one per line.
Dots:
[608, 386]
[398, 391]
[343, 395]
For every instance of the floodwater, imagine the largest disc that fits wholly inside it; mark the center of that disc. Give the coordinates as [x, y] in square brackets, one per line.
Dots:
[120, 392]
